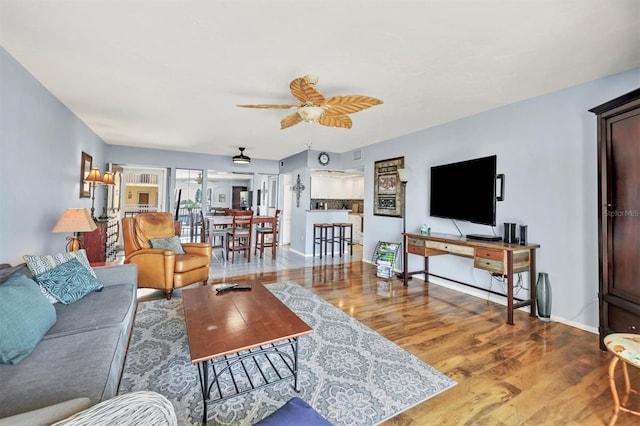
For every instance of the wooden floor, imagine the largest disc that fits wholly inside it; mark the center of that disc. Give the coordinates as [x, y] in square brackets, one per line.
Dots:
[532, 373]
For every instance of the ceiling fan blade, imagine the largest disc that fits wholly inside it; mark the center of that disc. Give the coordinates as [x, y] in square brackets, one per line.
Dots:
[349, 104]
[305, 92]
[290, 120]
[269, 106]
[335, 120]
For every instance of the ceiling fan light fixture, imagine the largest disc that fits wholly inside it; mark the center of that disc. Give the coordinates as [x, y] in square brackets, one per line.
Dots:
[312, 79]
[241, 158]
[310, 113]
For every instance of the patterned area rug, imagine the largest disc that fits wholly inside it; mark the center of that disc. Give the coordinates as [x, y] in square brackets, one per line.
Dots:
[348, 372]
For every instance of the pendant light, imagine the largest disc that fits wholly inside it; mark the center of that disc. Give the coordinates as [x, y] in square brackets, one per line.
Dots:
[241, 158]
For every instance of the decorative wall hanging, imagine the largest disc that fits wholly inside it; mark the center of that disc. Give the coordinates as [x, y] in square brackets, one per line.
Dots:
[387, 188]
[298, 188]
[86, 162]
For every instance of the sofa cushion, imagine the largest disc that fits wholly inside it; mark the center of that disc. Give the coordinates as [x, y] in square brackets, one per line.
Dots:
[87, 364]
[115, 305]
[25, 316]
[47, 415]
[172, 243]
[39, 264]
[69, 281]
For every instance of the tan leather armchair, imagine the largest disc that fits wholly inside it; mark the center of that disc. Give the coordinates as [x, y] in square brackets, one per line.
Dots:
[161, 268]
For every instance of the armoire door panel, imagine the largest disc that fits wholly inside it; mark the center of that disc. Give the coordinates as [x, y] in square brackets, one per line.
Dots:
[624, 213]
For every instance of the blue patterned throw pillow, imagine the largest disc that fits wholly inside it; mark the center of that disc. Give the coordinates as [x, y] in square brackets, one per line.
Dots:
[69, 281]
[43, 263]
[172, 243]
[25, 316]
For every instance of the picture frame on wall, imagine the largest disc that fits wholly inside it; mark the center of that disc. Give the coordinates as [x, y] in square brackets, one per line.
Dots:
[387, 195]
[86, 161]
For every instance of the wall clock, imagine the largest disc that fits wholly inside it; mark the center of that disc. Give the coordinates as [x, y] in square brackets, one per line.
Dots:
[323, 158]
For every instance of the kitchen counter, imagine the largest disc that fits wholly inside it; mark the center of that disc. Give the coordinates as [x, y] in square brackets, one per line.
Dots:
[304, 245]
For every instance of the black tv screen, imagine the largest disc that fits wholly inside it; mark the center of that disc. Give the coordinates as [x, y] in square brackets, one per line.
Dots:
[465, 191]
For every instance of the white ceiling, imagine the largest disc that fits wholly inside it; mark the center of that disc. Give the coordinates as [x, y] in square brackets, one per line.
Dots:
[168, 74]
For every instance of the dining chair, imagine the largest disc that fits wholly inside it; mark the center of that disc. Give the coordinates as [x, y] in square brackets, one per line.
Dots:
[239, 236]
[217, 234]
[264, 232]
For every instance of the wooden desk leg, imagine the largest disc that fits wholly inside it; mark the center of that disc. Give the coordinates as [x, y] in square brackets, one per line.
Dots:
[510, 287]
[532, 282]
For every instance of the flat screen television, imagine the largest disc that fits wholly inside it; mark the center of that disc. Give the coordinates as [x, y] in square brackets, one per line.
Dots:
[465, 191]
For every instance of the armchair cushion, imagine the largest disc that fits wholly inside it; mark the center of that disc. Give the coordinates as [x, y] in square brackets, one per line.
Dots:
[172, 243]
[189, 262]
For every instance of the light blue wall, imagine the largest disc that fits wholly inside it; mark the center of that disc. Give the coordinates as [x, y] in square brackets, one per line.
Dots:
[41, 143]
[546, 147]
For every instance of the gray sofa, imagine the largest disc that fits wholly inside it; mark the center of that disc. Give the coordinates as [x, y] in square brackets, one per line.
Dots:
[81, 356]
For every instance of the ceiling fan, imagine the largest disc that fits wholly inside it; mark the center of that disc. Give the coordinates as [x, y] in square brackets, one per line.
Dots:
[315, 108]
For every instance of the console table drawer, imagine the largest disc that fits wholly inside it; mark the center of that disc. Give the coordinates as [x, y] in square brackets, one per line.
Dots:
[415, 242]
[413, 249]
[489, 259]
[490, 254]
[451, 248]
[489, 265]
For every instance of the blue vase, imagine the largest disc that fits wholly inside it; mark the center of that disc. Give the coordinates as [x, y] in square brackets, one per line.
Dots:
[543, 296]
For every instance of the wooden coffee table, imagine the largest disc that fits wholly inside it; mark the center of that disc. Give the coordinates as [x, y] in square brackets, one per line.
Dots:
[236, 331]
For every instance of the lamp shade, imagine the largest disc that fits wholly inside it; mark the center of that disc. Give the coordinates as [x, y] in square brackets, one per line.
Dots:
[241, 158]
[108, 179]
[94, 176]
[403, 174]
[75, 220]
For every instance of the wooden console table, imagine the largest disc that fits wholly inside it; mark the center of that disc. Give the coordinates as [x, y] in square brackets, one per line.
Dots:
[496, 257]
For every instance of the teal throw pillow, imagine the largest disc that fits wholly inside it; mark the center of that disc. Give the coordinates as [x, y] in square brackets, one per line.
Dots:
[69, 281]
[39, 264]
[172, 243]
[25, 316]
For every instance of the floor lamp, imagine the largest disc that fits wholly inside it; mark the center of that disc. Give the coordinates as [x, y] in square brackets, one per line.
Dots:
[94, 179]
[403, 175]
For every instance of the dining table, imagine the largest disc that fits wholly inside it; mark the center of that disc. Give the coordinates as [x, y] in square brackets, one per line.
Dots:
[217, 220]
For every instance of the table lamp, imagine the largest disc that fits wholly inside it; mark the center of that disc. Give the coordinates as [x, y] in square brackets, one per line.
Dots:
[76, 221]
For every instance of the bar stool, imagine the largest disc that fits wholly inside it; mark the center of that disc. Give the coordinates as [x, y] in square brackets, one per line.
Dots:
[625, 347]
[320, 236]
[341, 236]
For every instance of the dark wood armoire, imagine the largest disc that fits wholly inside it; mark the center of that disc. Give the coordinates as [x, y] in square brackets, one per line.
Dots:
[619, 214]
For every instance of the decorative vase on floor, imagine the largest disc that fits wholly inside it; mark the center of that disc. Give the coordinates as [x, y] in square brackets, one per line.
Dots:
[543, 296]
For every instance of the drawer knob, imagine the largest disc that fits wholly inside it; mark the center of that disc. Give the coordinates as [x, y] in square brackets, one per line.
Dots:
[632, 327]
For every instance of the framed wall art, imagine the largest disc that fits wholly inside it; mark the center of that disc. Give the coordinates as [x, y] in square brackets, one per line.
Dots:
[387, 188]
[86, 161]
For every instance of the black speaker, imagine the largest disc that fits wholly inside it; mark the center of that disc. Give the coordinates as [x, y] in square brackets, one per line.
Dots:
[510, 233]
[523, 235]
